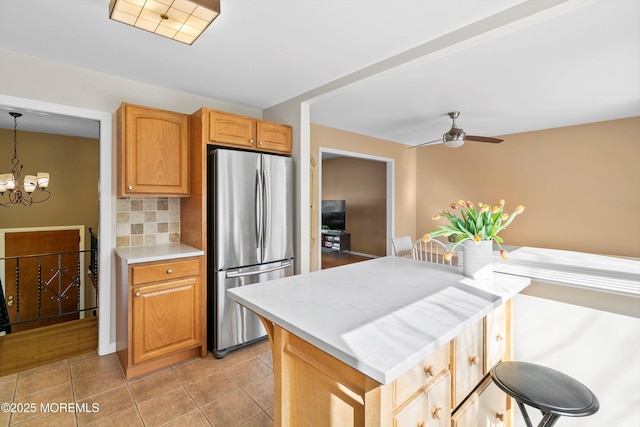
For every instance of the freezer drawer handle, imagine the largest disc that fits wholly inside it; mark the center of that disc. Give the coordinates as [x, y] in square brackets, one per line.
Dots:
[232, 274]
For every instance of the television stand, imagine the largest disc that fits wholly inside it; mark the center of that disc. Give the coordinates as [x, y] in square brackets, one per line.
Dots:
[336, 241]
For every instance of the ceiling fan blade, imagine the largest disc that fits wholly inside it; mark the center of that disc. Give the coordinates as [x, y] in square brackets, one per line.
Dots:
[426, 143]
[482, 139]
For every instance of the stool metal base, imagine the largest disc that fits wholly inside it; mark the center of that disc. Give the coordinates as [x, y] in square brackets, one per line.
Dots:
[553, 393]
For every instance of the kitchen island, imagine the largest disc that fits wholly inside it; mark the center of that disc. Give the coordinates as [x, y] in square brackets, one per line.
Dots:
[365, 344]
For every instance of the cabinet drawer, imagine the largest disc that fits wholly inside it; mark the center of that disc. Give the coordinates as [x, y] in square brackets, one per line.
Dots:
[165, 271]
[430, 408]
[416, 377]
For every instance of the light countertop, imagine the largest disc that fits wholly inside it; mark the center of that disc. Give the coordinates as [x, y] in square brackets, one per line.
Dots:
[381, 316]
[138, 254]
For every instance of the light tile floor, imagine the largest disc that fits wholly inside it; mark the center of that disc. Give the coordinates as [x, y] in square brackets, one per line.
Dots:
[234, 391]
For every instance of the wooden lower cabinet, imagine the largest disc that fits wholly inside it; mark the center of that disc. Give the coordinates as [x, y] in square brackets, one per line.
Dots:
[450, 387]
[159, 314]
[486, 406]
[163, 319]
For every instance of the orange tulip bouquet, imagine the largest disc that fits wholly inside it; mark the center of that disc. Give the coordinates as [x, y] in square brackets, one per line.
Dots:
[481, 223]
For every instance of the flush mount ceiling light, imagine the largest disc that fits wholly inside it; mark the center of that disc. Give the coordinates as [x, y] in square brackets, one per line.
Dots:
[12, 191]
[181, 20]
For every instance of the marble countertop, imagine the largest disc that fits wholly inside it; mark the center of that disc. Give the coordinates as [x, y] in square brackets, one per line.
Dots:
[138, 254]
[381, 316]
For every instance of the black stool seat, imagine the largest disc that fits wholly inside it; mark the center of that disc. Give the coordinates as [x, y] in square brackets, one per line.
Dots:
[550, 391]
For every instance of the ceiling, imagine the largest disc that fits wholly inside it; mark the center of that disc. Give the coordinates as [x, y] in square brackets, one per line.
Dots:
[391, 70]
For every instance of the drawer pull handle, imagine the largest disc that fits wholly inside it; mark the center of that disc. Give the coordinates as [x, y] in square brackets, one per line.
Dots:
[499, 416]
[436, 413]
[422, 424]
[499, 337]
[428, 369]
[137, 294]
[473, 360]
[169, 271]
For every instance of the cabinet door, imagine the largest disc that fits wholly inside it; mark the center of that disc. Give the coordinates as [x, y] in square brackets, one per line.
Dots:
[230, 129]
[495, 337]
[430, 407]
[274, 137]
[467, 361]
[439, 400]
[487, 406]
[165, 318]
[154, 151]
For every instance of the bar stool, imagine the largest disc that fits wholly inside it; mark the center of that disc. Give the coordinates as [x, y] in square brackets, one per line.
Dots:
[553, 393]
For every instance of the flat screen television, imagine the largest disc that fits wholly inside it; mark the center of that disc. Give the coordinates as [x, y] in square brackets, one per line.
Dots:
[333, 214]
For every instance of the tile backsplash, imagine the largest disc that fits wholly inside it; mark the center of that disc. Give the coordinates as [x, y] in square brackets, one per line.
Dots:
[146, 221]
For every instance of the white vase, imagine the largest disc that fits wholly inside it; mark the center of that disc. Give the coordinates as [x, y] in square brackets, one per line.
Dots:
[477, 261]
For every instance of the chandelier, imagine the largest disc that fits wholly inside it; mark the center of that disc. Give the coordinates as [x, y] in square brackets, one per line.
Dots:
[10, 182]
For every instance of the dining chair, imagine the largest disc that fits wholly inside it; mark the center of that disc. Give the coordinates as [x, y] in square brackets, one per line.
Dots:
[431, 251]
[402, 246]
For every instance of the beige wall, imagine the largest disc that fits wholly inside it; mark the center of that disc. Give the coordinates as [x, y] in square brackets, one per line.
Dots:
[362, 184]
[580, 185]
[72, 164]
[404, 176]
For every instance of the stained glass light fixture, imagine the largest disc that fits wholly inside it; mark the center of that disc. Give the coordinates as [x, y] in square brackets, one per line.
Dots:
[181, 20]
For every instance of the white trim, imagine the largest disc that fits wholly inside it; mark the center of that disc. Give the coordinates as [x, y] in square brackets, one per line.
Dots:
[106, 203]
[576, 269]
[390, 172]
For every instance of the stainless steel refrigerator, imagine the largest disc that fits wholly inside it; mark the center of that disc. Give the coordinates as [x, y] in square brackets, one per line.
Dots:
[250, 217]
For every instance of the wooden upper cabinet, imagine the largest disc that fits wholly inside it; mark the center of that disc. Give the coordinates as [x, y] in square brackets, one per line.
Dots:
[153, 151]
[273, 137]
[233, 130]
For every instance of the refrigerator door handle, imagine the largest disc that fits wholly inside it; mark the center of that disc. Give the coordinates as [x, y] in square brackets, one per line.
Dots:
[259, 210]
[266, 200]
[232, 274]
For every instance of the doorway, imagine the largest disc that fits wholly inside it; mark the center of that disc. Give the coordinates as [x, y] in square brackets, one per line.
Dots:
[368, 181]
[106, 200]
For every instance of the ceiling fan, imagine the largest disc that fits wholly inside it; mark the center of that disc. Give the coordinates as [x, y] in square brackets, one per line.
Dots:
[456, 136]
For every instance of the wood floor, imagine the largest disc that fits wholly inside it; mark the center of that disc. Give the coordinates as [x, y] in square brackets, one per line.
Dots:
[332, 259]
[36, 347]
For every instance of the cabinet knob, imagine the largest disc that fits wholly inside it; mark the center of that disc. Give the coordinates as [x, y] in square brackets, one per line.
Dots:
[137, 294]
[473, 360]
[260, 142]
[130, 187]
[499, 416]
[436, 412]
[422, 424]
[428, 369]
[169, 271]
[499, 336]
[251, 141]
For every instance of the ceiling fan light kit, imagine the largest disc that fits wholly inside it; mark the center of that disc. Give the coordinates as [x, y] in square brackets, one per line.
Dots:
[181, 20]
[456, 136]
